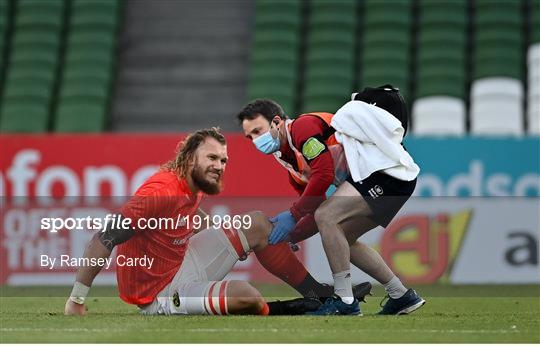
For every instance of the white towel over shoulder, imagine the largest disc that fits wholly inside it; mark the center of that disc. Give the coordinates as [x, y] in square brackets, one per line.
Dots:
[371, 138]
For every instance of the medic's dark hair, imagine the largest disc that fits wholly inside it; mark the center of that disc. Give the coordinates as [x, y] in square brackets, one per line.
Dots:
[265, 107]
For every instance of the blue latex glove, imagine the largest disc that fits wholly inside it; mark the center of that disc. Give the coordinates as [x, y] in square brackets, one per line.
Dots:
[284, 223]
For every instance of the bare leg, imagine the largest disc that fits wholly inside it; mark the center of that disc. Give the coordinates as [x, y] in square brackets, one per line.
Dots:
[341, 220]
[370, 262]
[362, 256]
[257, 234]
[280, 260]
[344, 218]
[242, 298]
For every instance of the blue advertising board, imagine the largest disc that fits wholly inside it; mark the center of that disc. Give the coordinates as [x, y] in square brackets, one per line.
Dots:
[477, 166]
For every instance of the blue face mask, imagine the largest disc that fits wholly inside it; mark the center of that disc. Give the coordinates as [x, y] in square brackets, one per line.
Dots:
[266, 143]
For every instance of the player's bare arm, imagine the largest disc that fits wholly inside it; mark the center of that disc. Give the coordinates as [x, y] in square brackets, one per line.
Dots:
[100, 246]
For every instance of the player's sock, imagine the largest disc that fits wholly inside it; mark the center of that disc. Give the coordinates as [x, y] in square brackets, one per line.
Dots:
[265, 310]
[343, 286]
[281, 261]
[395, 288]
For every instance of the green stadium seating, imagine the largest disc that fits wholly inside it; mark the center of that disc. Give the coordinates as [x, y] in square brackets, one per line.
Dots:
[386, 44]
[82, 89]
[328, 95]
[94, 21]
[275, 52]
[268, 57]
[98, 40]
[95, 14]
[435, 55]
[280, 36]
[81, 115]
[328, 19]
[4, 19]
[391, 74]
[326, 71]
[441, 85]
[269, 69]
[498, 30]
[283, 94]
[88, 67]
[441, 53]
[498, 68]
[326, 54]
[27, 90]
[442, 35]
[43, 76]
[441, 48]
[386, 18]
[24, 117]
[452, 13]
[535, 27]
[34, 59]
[330, 55]
[499, 36]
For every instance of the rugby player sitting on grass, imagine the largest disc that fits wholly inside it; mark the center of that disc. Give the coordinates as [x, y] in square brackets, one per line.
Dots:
[189, 266]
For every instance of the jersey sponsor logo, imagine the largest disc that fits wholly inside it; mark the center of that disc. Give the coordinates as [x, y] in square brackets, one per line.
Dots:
[178, 241]
[376, 191]
[312, 148]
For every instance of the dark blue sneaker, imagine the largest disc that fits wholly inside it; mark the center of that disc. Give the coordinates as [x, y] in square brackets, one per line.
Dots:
[410, 302]
[335, 306]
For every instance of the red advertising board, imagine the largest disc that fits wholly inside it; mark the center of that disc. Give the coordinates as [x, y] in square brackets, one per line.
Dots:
[82, 172]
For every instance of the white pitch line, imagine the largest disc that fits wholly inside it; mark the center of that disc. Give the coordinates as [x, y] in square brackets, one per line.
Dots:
[258, 330]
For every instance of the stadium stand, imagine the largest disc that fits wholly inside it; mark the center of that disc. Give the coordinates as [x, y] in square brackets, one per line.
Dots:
[88, 66]
[386, 44]
[275, 52]
[4, 17]
[439, 107]
[330, 55]
[182, 65]
[533, 68]
[33, 63]
[497, 89]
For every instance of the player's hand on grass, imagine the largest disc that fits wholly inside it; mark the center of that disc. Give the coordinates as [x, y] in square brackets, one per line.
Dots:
[73, 308]
[283, 223]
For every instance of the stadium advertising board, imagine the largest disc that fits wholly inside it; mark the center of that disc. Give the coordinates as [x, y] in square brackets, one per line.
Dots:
[458, 240]
[480, 167]
[455, 240]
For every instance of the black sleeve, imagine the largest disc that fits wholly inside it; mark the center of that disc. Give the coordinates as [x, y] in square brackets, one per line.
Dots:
[110, 237]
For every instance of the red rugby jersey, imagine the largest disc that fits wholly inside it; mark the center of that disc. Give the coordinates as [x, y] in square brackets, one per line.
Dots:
[163, 195]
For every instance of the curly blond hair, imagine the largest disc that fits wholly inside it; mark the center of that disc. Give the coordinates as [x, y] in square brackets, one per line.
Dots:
[186, 149]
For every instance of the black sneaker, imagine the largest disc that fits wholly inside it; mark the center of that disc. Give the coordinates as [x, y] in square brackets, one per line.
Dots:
[298, 306]
[360, 292]
[406, 304]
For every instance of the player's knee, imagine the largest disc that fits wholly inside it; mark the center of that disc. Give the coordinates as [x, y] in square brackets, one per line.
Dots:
[258, 219]
[257, 233]
[323, 218]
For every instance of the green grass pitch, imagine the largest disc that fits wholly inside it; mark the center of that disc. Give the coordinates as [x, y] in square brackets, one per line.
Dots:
[470, 314]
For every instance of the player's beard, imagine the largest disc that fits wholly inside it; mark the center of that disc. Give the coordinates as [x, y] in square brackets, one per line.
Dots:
[210, 187]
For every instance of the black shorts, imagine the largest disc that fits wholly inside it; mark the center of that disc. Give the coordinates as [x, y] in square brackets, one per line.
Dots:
[384, 194]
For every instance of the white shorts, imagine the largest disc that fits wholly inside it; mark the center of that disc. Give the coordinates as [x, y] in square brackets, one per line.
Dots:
[197, 289]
